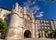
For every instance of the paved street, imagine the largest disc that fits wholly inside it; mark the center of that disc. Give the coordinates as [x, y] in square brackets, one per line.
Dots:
[38, 39]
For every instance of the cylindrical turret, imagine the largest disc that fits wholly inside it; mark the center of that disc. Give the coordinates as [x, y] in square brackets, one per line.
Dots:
[15, 26]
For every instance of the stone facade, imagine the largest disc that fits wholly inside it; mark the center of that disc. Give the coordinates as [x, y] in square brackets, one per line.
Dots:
[22, 24]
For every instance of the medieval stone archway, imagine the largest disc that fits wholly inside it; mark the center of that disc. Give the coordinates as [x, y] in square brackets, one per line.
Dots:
[27, 34]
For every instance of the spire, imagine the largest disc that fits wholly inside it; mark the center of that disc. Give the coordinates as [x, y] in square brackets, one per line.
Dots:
[32, 16]
[25, 10]
[16, 5]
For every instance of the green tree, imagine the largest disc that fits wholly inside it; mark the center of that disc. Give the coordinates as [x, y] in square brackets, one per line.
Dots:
[3, 25]
[46, 33]
[54, 33]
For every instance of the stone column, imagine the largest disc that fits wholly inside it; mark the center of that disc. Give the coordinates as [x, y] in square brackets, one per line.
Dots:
[43, 34]
[33, 29]
[40, 35]
[37, 30]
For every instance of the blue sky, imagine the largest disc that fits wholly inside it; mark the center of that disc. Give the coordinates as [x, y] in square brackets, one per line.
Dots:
[40, 8]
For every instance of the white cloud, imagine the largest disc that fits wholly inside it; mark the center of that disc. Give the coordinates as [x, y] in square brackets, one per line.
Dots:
[41, 12]
[40, 15]
[31, 5]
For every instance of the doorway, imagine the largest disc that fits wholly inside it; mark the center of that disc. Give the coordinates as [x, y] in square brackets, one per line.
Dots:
[27, 34]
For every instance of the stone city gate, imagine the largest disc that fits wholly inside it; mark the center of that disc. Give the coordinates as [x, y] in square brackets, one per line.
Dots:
[22, 24]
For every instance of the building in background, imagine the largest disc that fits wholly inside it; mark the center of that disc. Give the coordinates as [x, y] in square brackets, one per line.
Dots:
[54, 23]
[4, 14]
[45, 24]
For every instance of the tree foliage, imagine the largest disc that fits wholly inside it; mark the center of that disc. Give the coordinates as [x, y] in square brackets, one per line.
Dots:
[46, 31]
[52, 33]
[3, 25]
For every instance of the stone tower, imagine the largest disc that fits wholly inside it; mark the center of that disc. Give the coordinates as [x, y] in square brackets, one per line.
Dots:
[22, 24]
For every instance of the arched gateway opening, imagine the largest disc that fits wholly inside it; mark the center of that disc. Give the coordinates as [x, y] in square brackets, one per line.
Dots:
[27, 34]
